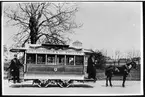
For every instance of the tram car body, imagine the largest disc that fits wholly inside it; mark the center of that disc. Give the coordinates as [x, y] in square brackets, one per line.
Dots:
[52, 64]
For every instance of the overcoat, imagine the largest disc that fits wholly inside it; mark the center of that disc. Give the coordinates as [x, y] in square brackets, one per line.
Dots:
[14, 67]
[91, 69]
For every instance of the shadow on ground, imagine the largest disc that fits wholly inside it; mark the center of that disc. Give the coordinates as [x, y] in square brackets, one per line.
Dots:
[50, 86]
[113, 86]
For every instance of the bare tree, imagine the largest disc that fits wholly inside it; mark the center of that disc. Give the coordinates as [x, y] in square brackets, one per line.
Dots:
[132, 54]
[104, 52]
[100, 58]
[5, 52]
[116, 56]
[43, 22]
[5, 48]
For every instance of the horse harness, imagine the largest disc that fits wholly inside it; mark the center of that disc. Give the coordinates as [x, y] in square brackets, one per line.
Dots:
[126, 69]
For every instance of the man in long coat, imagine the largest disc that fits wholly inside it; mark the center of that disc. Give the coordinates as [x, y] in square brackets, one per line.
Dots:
[14, 69]
[91, 69]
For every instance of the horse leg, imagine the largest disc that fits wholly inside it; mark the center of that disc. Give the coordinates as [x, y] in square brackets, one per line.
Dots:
[124, 79]
[110, 81]
[107, 81]
[14, 77]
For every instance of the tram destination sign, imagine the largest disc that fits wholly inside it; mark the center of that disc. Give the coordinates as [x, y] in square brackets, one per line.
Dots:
[64, 52]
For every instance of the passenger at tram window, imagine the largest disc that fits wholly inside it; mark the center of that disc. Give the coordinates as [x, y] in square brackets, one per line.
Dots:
[50, 59]
[31, 58]
[41, 59]
[60, 60]
[79, 60]
[71, 61]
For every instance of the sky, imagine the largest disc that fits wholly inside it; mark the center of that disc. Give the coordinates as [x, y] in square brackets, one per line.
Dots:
[106, 25]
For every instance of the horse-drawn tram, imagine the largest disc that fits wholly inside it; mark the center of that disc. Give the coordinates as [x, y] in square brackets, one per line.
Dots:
[47, 64]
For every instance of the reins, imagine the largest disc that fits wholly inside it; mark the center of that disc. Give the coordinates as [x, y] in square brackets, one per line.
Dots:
[127, 65]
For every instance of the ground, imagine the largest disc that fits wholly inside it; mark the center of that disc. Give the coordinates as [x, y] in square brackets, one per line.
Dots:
[89, 88]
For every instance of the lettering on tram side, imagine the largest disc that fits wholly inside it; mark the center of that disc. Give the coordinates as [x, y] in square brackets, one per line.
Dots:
[54, 52]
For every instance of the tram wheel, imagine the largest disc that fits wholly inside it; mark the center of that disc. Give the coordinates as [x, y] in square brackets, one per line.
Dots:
[60, 84]
[42, 84]
[65, 84]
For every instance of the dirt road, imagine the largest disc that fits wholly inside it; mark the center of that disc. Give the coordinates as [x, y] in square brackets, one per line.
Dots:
[89, 88]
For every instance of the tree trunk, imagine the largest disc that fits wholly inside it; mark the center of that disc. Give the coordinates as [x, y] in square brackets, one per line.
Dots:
[33, 39]
[33, 30]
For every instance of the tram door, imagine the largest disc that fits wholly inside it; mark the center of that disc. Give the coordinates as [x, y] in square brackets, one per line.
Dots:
[21, 73]
[60, 62]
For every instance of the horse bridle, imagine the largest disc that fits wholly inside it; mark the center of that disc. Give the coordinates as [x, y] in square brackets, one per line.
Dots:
[131, 63]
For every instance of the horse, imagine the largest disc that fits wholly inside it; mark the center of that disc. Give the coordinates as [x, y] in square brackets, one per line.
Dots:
[123, 70]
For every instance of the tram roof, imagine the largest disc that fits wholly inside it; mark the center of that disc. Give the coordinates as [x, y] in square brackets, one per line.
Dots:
[55, 49]
[53, 46]
[18, 50]
[48, 48]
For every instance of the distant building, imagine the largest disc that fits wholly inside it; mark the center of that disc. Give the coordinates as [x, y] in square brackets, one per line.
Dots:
[107, 58]
[110, 62]
[122, 61]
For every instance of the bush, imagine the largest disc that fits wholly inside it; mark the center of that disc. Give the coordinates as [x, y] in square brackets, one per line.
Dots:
[101, 60]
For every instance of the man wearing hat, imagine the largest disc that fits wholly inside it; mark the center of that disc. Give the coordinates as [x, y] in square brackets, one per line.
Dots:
[14, 68]
[91, 69]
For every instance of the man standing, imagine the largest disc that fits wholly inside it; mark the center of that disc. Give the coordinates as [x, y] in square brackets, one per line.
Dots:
[91, 69]
[14, 69]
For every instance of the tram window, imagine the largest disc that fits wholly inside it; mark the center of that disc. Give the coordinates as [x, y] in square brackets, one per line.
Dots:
[60, 59]
[40, 59]
[79, 60]
[51, 59]
[69, 60]
[31, 58]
